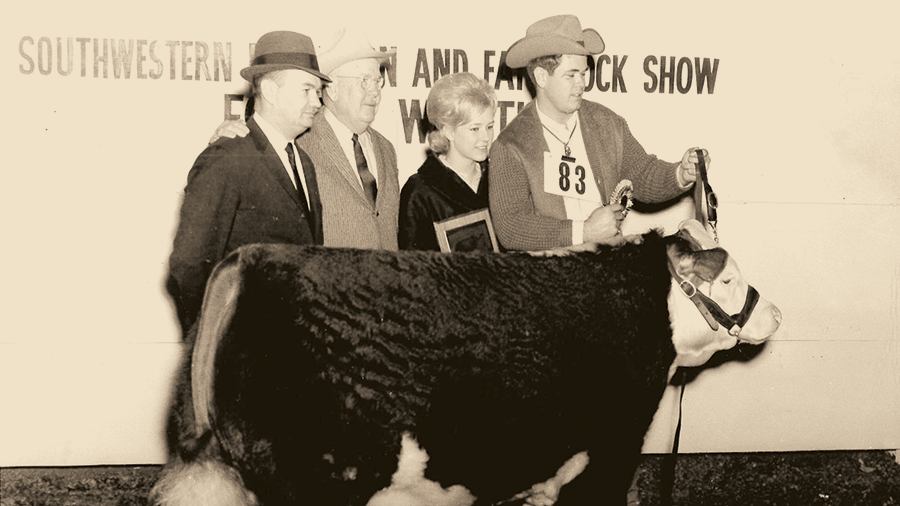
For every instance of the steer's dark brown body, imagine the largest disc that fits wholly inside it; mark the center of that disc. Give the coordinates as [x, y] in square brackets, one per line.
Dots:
[310, 363]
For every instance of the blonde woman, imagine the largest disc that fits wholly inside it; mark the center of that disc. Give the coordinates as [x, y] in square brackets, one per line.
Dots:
[453, 179]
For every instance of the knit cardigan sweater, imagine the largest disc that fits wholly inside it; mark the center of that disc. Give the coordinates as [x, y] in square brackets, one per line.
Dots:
[527, 218]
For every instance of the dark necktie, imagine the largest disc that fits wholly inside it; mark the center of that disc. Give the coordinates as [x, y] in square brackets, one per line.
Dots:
[368, 180]
[290, 151]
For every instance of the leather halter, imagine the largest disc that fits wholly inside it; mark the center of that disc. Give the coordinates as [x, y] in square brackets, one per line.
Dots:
[703, 192]
[711, 311]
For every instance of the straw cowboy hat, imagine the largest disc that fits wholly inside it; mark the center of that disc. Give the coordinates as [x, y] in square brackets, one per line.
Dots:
[554, 35]
[284, 50]
[348, 44]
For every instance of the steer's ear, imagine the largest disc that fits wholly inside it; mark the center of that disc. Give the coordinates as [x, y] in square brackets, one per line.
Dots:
[697, 233]
[708, 263]
[692, 264]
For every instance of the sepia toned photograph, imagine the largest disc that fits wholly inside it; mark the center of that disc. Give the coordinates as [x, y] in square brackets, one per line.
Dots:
[454, 254]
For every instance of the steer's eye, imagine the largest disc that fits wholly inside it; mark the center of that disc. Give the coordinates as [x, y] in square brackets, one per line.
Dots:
[726, 281]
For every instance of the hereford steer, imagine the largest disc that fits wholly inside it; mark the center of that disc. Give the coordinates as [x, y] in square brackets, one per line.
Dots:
[313, 368]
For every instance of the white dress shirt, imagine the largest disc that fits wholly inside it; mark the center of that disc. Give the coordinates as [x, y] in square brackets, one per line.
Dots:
[279, 142]
[345, 138]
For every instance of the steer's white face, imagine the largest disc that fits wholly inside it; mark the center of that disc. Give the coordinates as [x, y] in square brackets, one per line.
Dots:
[717, 276]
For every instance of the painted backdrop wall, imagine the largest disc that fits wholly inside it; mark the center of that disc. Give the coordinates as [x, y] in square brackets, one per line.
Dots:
[107, 107]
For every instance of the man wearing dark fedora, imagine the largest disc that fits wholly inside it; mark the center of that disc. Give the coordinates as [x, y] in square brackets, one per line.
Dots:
[255, 189]
[554, 167]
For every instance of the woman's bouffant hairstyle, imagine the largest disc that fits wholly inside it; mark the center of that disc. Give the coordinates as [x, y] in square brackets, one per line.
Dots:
[454, 100]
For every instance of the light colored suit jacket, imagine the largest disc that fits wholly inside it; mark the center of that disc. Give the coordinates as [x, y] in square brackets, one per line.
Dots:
[348, 220]
[527, 218]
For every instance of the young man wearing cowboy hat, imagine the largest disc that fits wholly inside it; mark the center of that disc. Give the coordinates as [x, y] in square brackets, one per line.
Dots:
[256, 189]
[356, 166]
[554, 167]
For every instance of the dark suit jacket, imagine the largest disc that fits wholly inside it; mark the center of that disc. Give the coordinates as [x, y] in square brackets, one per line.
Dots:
[435, 193]
[238, 192]
[349, 221]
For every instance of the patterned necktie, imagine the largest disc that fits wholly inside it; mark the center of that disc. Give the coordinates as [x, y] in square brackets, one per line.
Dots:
[290, 151]
[368, 180]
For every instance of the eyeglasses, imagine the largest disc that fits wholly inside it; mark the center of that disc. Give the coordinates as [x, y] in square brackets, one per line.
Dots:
[366, 82]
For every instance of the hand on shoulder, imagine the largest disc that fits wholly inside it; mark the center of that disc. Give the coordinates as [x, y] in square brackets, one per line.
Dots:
[230, 129]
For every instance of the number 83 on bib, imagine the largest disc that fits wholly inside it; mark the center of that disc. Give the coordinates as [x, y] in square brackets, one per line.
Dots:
[566, 177]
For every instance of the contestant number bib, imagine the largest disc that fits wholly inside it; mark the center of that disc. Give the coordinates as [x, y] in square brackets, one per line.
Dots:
[570, 178]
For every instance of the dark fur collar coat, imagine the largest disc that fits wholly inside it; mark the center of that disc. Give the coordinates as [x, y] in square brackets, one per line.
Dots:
[435, 193]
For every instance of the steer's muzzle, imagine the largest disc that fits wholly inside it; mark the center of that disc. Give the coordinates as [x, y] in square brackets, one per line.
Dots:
[762, 324]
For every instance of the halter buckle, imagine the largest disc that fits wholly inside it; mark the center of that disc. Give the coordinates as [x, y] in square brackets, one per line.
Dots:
[687, 288]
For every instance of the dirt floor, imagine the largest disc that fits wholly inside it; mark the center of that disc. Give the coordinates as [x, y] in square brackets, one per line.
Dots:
[870, 478]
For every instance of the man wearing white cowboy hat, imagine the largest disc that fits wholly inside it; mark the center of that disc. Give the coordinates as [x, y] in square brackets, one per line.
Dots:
[256, 189]
[554, 167]
[356, 166]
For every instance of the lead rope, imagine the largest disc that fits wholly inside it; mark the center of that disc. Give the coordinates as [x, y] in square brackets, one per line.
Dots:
[703, 193]
[667, 468]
